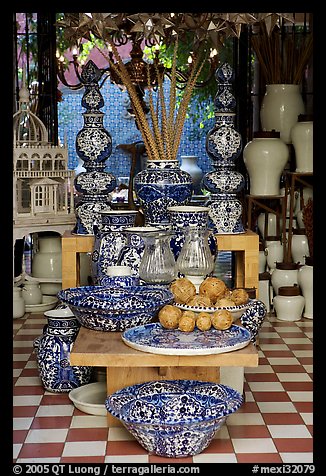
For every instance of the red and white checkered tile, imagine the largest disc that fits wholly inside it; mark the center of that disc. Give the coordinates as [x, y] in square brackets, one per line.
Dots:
[274, 425]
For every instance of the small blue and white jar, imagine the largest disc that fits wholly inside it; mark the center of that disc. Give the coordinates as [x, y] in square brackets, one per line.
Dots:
[253, 318]
[53, 353]
[225, 213]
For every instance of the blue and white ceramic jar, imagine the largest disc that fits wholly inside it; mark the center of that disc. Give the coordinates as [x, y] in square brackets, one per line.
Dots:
[253, 318]
[117, 220]
[161, 185]
[93, 146]
[183, 216]
[131, 254]
[224, 145]
[53, 353]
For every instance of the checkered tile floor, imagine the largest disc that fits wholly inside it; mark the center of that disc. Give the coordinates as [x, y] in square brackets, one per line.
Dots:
[274, 425]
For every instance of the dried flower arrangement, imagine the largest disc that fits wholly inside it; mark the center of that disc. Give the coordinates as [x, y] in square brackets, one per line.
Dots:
[162, 133]
[282, 63]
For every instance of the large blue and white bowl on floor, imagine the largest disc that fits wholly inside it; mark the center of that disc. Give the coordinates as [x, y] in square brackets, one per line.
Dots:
[104, 308]
[174, 418]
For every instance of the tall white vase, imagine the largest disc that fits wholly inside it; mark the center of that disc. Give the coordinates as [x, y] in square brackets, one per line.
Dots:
[280, 109]
[47, 263]
[305, 281]
[302, 136]
[265, 158]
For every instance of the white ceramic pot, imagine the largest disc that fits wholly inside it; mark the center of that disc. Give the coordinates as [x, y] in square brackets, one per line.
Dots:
[288, 304]
[302, 135]
[274, 253]
[280, 109]
[299, 246]
[32, 293]
[189, 163]
[263, 289]
[262, 261]
[18, 309]
[271, 224]
[265, 158]
[47, 263]
[284, 274]
[305, 281]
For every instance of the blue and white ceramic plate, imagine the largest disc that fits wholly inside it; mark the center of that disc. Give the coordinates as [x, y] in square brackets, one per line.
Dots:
[155, 339]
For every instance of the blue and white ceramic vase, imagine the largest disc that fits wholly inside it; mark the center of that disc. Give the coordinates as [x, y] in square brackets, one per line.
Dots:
[93, 146]
[131, 254]
[183, 216]
[224, 145]
[108, 243]
[161, 185]
[53, 353]
[253, 318]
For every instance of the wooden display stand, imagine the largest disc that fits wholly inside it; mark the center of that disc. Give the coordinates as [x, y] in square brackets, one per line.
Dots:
[127, 366]
[245, 245]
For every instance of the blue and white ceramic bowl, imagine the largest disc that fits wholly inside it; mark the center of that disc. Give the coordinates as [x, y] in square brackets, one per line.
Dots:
[174, 418]
[105, 308]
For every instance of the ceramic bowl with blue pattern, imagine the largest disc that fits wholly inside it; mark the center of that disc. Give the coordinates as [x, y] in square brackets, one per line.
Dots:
[174, 418]
[106, 308]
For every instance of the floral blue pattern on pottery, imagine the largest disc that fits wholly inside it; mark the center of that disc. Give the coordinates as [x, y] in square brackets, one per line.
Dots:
[95, 182]
[161, 185]
[115, 220]
[253, 317]
[53, 353]
[224, 181]
[174, 418]
[114, 281]
[106, 250]
[225, 215]
[115, 308]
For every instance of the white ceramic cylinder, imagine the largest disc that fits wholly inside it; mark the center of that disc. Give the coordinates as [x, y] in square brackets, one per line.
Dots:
[47, 263]
[305, 281]
[263, 289]
[302, 139]
[280, 109]
[32, 293]
[285, 274]
[262, 261]
[288, 307]
[299, 246]
[271, 224]
[265, 158]
[18, 309]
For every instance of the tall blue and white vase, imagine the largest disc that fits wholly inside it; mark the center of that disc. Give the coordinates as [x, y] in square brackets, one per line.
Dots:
[93, 146]
[161, 185]
[53, 349]
[224, 145]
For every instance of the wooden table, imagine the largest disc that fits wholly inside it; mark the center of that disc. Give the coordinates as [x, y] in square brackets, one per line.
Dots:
[245, 245]
[126, 366]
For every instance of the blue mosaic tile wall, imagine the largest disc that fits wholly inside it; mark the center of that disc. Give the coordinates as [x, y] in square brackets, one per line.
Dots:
[121, 127]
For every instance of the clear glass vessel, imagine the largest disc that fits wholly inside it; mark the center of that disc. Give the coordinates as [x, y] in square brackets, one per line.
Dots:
[196, 260]
[157, 265]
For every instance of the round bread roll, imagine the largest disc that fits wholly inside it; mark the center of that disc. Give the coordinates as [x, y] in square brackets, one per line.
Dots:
[169, 316]
[199, 301]
[240, 296]
[225, 302]
[189, 314]
[187, 323]
[203, 321]
[222, 319]
[183, 290]
[212, 287]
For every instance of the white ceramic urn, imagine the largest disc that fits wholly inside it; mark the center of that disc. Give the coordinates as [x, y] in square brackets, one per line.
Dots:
[302, 135]
[189, 163]
[19, 306]
[274, 252]
[289, 303]
[280, 109]
[265, 158]
[299, 245]
[47, 263]
[284, 274]
[305, 281]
